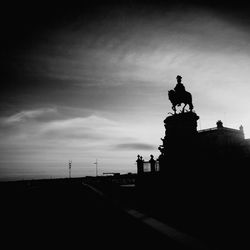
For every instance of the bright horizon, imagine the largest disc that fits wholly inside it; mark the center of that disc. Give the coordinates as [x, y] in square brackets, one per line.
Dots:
[94, 86]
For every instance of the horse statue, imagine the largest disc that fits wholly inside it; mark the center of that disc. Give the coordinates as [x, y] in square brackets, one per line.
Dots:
[177, 99]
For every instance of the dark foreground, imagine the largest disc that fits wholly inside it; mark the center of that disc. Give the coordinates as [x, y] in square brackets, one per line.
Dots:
[69, 214]
[73, 213]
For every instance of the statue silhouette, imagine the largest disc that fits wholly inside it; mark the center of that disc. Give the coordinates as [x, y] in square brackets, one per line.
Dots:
[179, 95]
[179, 88]
[139, 164]
[152, 162]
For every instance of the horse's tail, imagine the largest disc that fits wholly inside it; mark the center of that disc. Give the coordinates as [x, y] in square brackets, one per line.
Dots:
[191, 106]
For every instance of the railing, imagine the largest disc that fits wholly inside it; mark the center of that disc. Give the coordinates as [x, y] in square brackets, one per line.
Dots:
[147, 166]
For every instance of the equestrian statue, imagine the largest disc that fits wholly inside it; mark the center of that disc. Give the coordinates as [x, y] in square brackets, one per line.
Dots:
[179, 95]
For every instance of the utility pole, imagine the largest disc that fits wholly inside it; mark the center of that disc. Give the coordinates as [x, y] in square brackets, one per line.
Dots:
[96, 167]
[70, 164]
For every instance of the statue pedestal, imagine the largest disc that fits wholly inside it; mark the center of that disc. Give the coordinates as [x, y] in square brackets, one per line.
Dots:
[180, 135]
[178, 151]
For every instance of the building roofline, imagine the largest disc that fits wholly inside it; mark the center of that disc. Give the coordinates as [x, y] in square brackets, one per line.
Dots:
[216, 128]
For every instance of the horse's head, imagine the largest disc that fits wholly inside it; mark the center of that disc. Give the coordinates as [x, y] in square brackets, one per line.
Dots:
[171, 93]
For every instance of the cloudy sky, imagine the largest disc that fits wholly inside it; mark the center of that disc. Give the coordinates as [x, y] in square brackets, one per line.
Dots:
[90, 82]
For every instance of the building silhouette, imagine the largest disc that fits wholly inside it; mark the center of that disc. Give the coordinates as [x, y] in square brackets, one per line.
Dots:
[223, 141]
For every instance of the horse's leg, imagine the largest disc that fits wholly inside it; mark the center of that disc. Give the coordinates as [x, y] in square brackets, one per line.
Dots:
[184, 108]
[174, 109]
[191, 106]
[190, 102]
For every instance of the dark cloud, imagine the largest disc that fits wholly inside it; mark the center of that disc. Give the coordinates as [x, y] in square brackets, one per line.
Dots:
[62, 134]
[135, 146]
[32, 75]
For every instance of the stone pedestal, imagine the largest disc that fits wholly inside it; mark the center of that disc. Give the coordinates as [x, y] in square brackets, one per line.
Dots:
[179, 149]
[180, 136]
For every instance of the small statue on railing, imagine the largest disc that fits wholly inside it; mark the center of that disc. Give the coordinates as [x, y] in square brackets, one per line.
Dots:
[152, 162]
[140, 161]
[179, 95]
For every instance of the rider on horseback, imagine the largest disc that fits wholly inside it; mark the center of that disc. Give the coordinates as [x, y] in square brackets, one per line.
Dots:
[179, 88]
[179, 95]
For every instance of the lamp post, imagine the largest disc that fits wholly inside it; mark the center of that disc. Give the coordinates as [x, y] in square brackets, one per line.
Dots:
[70, 164]
[96, 167]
